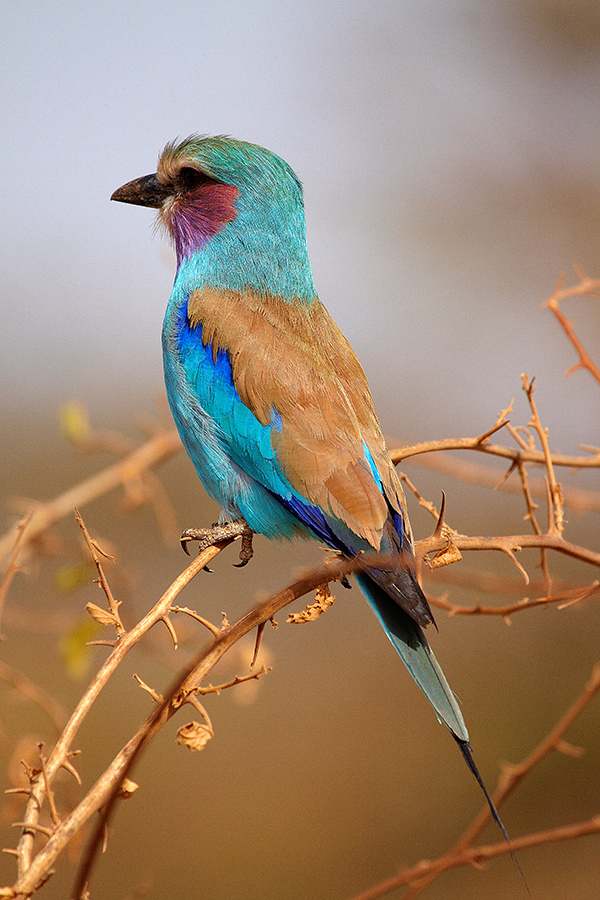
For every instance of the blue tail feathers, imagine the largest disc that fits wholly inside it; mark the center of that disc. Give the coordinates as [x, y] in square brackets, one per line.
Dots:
[411, 644]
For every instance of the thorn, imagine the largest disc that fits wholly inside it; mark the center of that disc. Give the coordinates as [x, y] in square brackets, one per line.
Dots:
[259, 635]
[514, 465]
[158, 698]
[71, 769]
[440, 522]
[171, 630]
[501, 423]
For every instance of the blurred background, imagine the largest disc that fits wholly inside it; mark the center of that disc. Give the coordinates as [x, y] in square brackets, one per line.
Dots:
[449, 152]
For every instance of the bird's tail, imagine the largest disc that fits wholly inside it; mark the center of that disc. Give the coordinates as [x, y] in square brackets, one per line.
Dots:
[416, 654]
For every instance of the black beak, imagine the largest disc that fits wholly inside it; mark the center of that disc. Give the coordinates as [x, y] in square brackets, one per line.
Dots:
[146, 191]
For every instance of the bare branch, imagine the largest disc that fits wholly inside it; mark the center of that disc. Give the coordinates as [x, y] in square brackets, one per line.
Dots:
[463, 852]
[103, 583]
[509, 544]
[564, 599]
[60, 753]
[102, 794]
[587, 286]
[534, 456]
[555, 508]
[158, 448]
[419, 876]
[13, 564]
[239, 679]
[34, 692]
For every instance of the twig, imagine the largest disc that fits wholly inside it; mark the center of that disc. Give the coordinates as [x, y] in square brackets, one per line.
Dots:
[158, 698]
[28, 870]
[419, 876]
[555, 510]
[158, 448]
[103, 583]
[214, 629]
[462, 853]
[102, 794]
[13, 563]
[586, 286]
[510, 544]
[534, 456]
[239, 679]
[564, 599]
[34, 692]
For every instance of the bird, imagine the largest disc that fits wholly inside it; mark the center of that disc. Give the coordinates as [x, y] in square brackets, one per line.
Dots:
[270, 400]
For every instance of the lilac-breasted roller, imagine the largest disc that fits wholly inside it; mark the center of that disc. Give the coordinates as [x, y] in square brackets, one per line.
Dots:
[271, 402]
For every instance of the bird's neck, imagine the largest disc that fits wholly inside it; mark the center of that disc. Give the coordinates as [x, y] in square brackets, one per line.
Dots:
[264, 253]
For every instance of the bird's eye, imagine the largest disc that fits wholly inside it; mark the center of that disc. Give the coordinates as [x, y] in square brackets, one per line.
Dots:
[190, 178]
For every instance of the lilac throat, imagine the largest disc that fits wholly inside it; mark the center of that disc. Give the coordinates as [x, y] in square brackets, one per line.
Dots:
[200, 215]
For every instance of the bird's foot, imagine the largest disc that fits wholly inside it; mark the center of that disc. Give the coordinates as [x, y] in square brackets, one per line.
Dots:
[207, 537]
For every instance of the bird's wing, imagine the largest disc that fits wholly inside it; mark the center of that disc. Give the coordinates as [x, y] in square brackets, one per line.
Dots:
[294, 370]
[296, 412]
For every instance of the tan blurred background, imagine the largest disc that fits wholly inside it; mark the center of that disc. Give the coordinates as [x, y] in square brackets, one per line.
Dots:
[449, 152]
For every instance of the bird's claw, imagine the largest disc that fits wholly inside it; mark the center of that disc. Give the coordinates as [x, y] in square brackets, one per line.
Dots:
[247, 551]
[207, 537]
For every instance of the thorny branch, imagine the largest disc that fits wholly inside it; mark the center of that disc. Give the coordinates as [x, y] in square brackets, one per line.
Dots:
[96, 552]
[189, 682]
[30, 873]
[43, 516]
[463, 852]
[586, 287]
[13, 560]
[423, 873]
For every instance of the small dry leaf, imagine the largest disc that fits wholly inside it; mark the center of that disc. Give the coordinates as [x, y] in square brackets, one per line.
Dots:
[103, 616]
[127, 788]
[449, 554]
[323, 600]
[194, 735]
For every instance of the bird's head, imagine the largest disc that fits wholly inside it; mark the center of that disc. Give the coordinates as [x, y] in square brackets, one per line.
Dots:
[206, 187]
